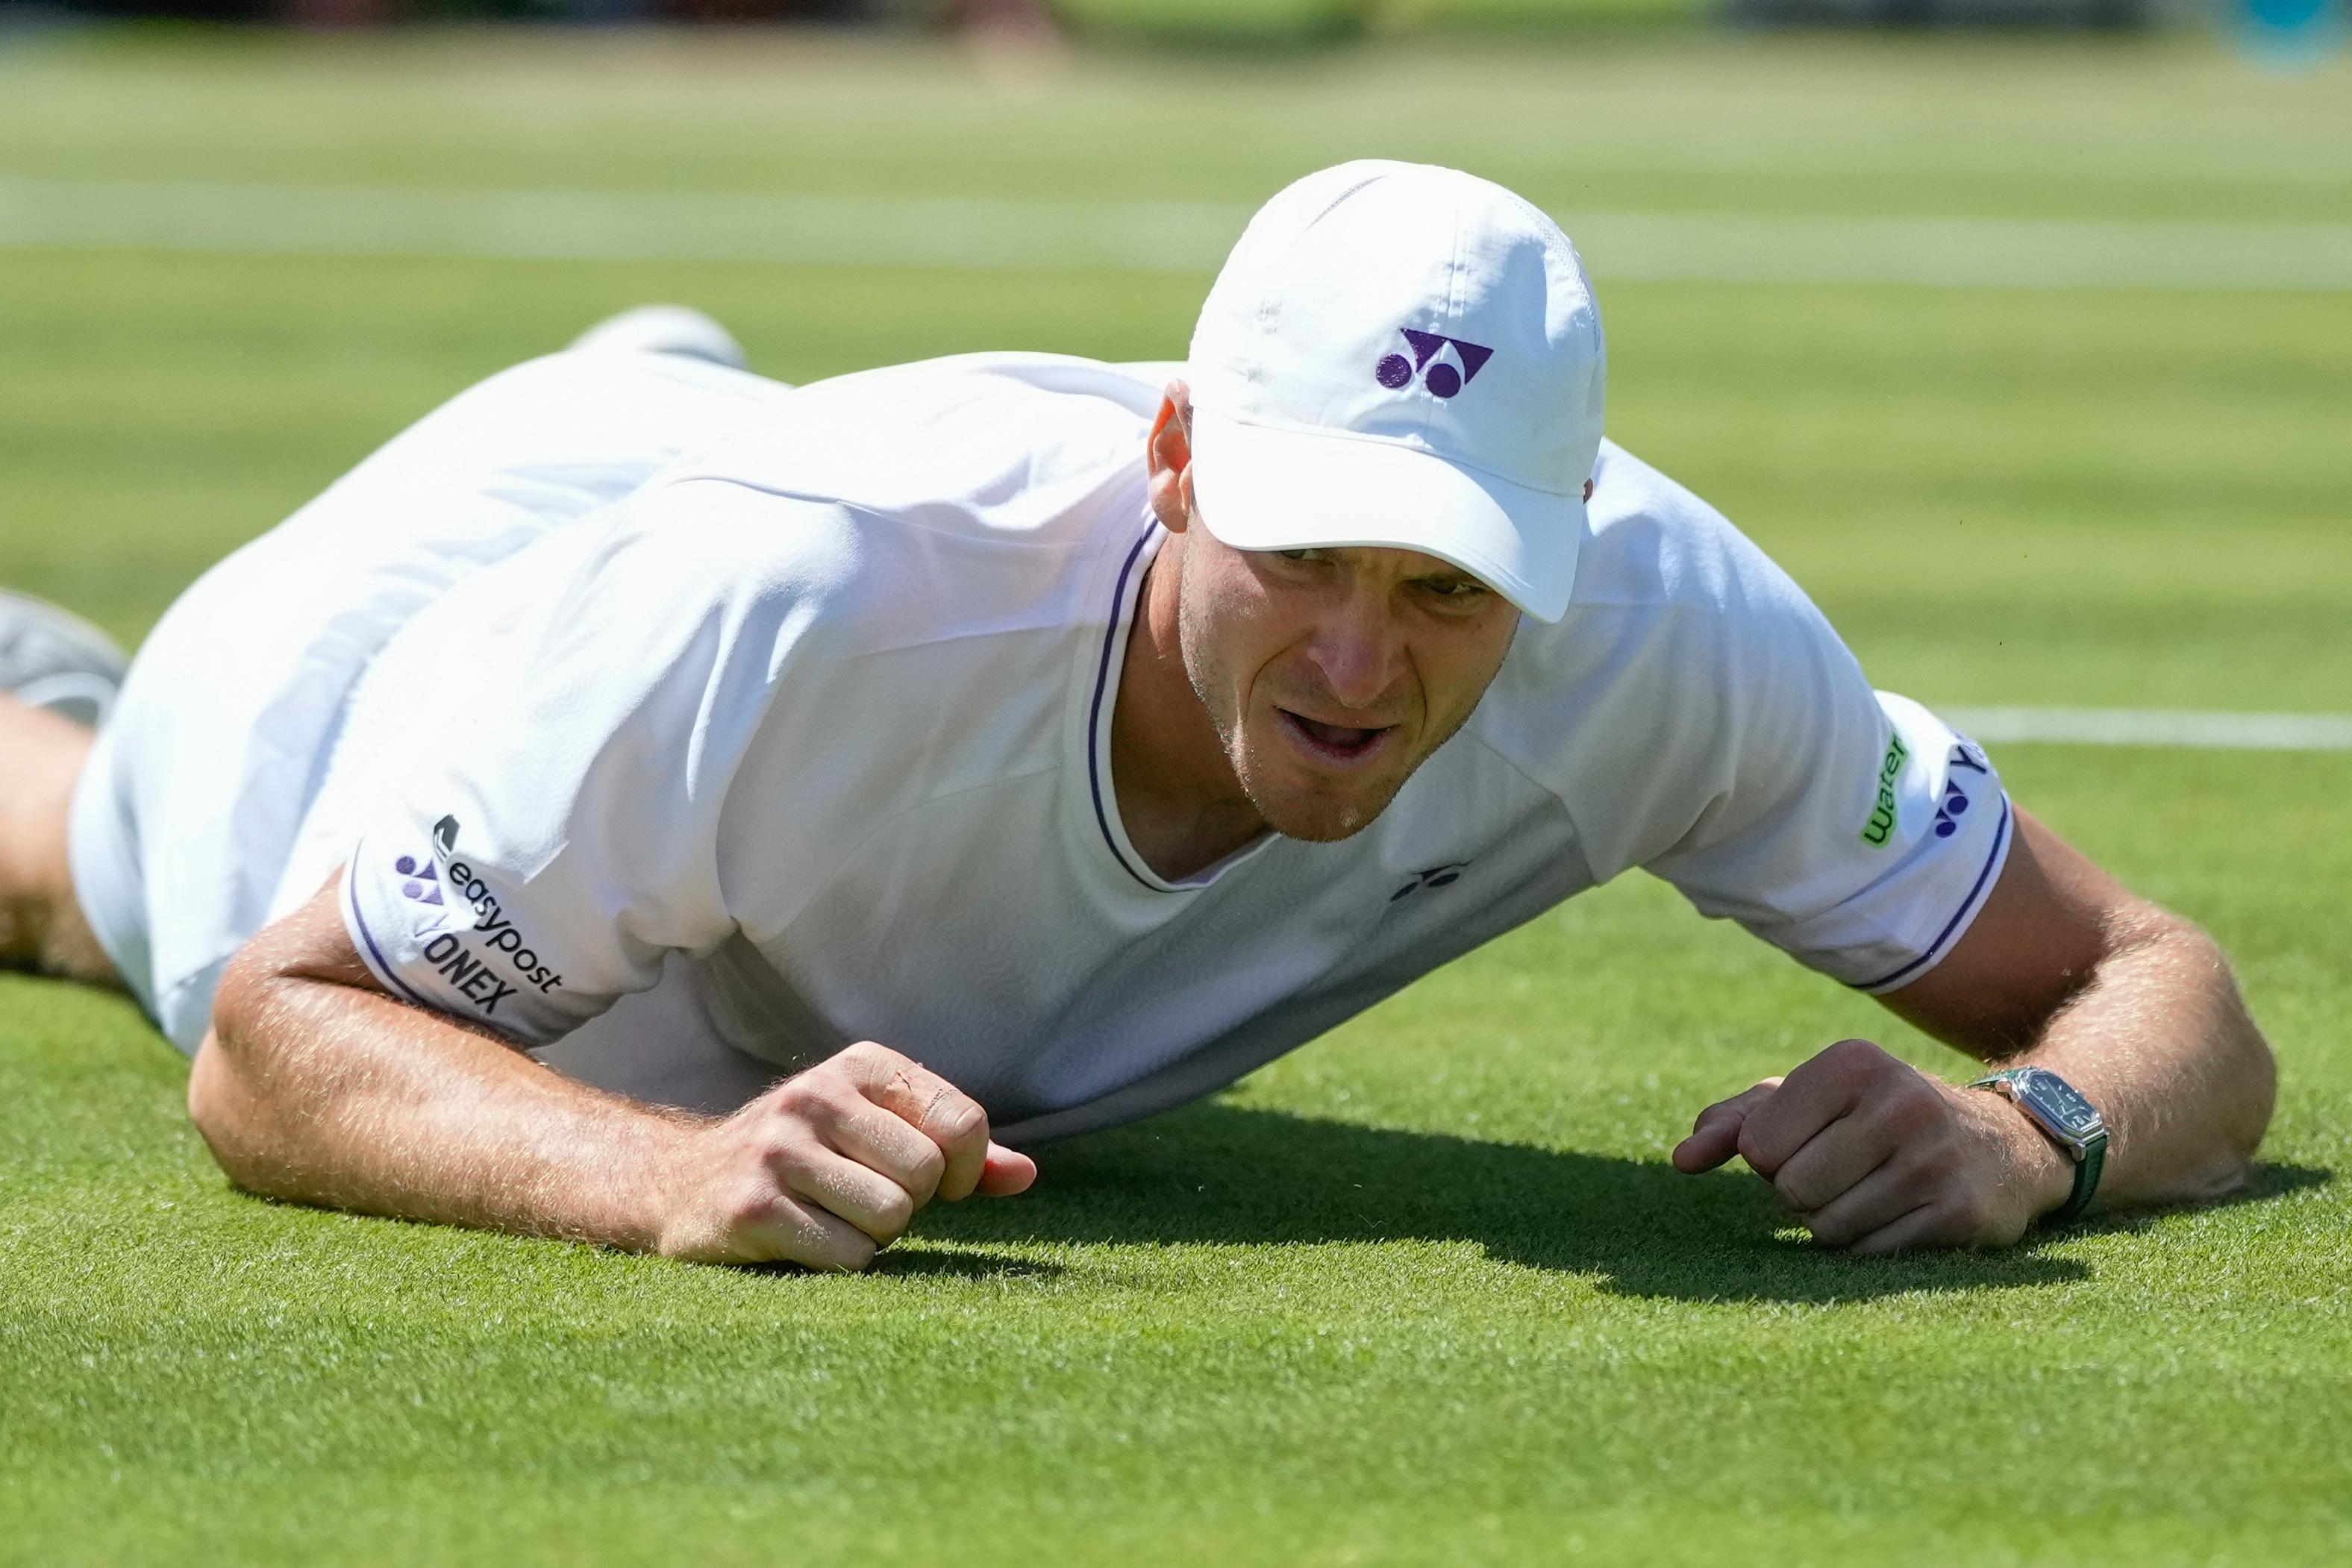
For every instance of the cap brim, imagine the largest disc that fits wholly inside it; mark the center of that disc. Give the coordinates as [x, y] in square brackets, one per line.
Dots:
[1261, 487]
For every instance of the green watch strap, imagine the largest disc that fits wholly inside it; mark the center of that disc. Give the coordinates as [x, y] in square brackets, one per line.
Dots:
[2016, 1083]
[2086, 1180]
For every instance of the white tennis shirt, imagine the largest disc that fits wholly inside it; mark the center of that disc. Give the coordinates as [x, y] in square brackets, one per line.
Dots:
[818, 722]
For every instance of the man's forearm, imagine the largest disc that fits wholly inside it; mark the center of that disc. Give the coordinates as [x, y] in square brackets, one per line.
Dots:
[316, 1086]
[2161, 1042]
[328, 1093]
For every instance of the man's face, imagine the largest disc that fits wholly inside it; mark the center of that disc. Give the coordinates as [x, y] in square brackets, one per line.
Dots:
[1330, 675]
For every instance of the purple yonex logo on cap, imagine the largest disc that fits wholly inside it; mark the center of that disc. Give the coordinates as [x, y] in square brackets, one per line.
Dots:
[1394, 371]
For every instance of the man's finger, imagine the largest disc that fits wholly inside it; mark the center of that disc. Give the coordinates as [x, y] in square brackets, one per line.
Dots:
[865, 1197]
[1925, 1226]
[1870, 1204]
[1820, 1089]
[792, 1230]
[1714, 1136]
[1007, 1172]
[932, 1107]
[1834, 1160]
[881, 1141]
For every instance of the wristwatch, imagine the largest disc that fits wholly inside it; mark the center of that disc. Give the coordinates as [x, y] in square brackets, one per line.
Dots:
[2065, 1118]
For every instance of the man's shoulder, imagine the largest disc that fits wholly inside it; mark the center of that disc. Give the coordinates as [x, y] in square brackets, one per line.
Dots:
[1663, 574]
[1654, 544]
[996, 440]
[1679, 629]
[915, 500]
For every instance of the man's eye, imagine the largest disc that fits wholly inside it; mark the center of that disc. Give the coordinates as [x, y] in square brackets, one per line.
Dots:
[1453, 587]
[1297, 554]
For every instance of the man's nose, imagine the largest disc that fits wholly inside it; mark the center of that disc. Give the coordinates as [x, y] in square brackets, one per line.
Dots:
[1356, 649]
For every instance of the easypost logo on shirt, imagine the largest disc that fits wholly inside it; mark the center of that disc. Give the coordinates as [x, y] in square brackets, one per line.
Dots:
[479, 960]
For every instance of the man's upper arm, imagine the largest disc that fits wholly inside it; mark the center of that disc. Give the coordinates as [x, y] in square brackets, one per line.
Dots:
[2051, 919]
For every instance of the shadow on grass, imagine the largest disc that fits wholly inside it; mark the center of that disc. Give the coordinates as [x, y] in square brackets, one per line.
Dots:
[1219, 1172]
[2271, 1181]
[913, 1259]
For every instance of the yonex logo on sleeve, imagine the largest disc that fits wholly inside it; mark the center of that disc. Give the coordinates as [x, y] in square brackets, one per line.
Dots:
[1948, 813]
[1443, 379]
[424, 884]
[1955, 803]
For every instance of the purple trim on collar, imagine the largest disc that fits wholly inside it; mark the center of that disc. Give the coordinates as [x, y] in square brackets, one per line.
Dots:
[2000, 837]
[1094, 711]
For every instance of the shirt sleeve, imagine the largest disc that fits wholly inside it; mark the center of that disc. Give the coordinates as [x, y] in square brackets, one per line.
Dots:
[536, 855]
[1862, 845]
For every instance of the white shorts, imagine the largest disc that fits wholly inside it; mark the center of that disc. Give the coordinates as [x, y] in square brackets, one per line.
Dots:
[186, 816]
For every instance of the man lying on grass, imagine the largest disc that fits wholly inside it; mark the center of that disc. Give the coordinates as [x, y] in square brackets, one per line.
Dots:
[1024, 738]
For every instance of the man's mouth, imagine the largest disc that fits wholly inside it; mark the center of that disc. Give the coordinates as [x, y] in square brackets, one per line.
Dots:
[1335, 743]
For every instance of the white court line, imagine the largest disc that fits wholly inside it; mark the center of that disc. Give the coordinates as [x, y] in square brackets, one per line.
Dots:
[992, 232]
[2155, 726]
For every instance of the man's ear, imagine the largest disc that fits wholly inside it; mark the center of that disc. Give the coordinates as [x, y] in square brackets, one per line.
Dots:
[1168, 454]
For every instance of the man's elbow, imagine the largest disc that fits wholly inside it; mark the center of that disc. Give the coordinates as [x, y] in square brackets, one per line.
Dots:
[2241, 1077]
[227, 1097]
[2255, 1070]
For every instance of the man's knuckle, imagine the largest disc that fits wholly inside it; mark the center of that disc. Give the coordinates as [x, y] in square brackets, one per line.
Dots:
[1932, 1164]
[832, 1107]
[927, 1168]
[792, 1100]
[1803, 1196]
[754, 1207]
[795, 1097]
[958, 1119]
[793, 1158]
[1971, 1214]
[1911, 1111]
[872, 1058]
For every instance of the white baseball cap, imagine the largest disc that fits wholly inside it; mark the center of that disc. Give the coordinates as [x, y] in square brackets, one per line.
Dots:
[1401, 355]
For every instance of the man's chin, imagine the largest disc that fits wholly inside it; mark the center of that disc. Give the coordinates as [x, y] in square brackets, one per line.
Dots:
[1321, 819]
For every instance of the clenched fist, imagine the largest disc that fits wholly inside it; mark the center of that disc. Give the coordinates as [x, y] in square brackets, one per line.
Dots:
[827, 1168]
[1874, 1155]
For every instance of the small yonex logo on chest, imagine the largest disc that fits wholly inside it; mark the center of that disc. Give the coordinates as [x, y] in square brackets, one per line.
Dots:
[1435, 876]
[1443, 375]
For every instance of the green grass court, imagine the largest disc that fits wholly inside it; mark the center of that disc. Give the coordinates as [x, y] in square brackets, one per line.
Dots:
[1426, 1290]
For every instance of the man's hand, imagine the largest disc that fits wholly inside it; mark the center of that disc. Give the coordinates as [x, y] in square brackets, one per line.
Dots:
[1874, 1155]
[828, 1167]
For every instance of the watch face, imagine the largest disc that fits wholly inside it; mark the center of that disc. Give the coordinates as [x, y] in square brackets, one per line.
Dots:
[2056, 1098]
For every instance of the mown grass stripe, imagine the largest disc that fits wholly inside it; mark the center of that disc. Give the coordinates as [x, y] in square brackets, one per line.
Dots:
[2155, 726]
[1021, 233]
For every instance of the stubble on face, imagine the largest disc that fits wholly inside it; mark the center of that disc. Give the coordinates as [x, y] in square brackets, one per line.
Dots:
[1292, 802]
